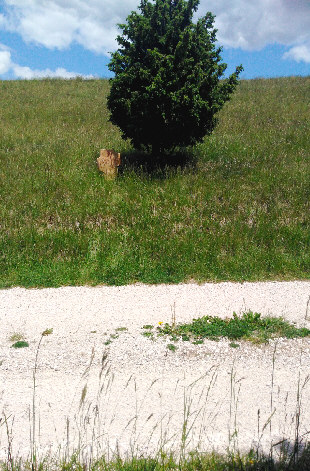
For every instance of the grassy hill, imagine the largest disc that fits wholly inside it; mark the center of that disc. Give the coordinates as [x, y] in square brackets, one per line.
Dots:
[236, 207]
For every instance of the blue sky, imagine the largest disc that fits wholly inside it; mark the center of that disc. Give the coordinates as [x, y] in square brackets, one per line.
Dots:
[66, 38]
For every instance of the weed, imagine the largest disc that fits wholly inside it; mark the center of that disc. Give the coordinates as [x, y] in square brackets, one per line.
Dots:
[171, 347]
[250, 326]
[115, 336]
[16, 337]
[148, 334]
[45, 333]
[185, 337]
[20, 344]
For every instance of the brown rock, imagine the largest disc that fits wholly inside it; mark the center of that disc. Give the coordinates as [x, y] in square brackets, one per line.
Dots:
[108, 162]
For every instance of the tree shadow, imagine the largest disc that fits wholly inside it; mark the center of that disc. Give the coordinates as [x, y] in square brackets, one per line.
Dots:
[157, 166]
[284, 456]
[295, 454]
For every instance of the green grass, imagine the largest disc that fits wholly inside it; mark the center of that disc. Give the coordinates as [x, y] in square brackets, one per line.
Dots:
[250, 326]
[195, 462]
[236, 207]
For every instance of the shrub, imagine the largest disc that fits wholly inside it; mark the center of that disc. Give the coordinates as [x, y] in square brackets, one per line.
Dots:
[167, 88]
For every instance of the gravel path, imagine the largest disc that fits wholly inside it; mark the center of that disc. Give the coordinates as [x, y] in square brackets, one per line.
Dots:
[104, 388]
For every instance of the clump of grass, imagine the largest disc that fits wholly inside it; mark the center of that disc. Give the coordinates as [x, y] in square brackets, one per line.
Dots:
[148, 331]
[171, 347]
[148, 334]
[234, 345]
[121, 329]
[250, 326]
[195, 461]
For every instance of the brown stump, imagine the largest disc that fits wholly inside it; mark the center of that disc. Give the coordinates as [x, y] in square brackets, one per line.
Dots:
[108, 163]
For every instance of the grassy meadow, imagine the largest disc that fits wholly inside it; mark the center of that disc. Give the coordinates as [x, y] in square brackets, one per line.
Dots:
[236, 207]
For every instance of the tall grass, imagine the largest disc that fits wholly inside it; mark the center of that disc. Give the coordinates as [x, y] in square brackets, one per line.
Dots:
[235, 207]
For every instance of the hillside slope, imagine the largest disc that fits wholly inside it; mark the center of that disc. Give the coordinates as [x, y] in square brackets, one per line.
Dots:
[234, 208]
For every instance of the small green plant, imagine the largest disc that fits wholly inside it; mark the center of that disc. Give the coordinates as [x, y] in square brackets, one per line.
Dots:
[115, 335]
[148, 331]
[185, 337]
[20, 344]
[234, 345]
[171, 347]
[147, 334]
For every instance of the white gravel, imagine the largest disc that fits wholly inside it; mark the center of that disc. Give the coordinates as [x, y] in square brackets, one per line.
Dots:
[137, 399]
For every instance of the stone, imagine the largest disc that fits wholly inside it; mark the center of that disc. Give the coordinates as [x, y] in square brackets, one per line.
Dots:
[108, 163]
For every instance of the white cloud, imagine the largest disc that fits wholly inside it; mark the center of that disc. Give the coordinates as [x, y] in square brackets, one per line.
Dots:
[5, 62]
[59, 23]
[27, 73]
[93, 37]
[253, 25]
[7, 65]
[299, 54]
[52, 28]
[92, 23]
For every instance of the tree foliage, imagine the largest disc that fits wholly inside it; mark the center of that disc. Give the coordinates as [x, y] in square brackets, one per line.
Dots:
[167, 87]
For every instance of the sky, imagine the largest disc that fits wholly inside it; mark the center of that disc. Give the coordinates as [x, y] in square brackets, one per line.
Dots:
[69, 38]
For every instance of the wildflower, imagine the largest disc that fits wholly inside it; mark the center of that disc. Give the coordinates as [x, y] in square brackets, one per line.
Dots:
[160, 323]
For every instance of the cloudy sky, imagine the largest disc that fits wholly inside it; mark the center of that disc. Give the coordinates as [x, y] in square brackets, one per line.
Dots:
[65, 38]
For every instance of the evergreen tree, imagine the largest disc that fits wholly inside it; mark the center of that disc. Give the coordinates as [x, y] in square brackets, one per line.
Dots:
[167, 88]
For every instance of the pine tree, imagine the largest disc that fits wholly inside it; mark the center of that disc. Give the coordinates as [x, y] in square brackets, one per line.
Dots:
[167, 87]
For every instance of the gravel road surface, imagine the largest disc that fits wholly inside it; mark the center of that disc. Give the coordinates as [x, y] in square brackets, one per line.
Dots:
[100, 385]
